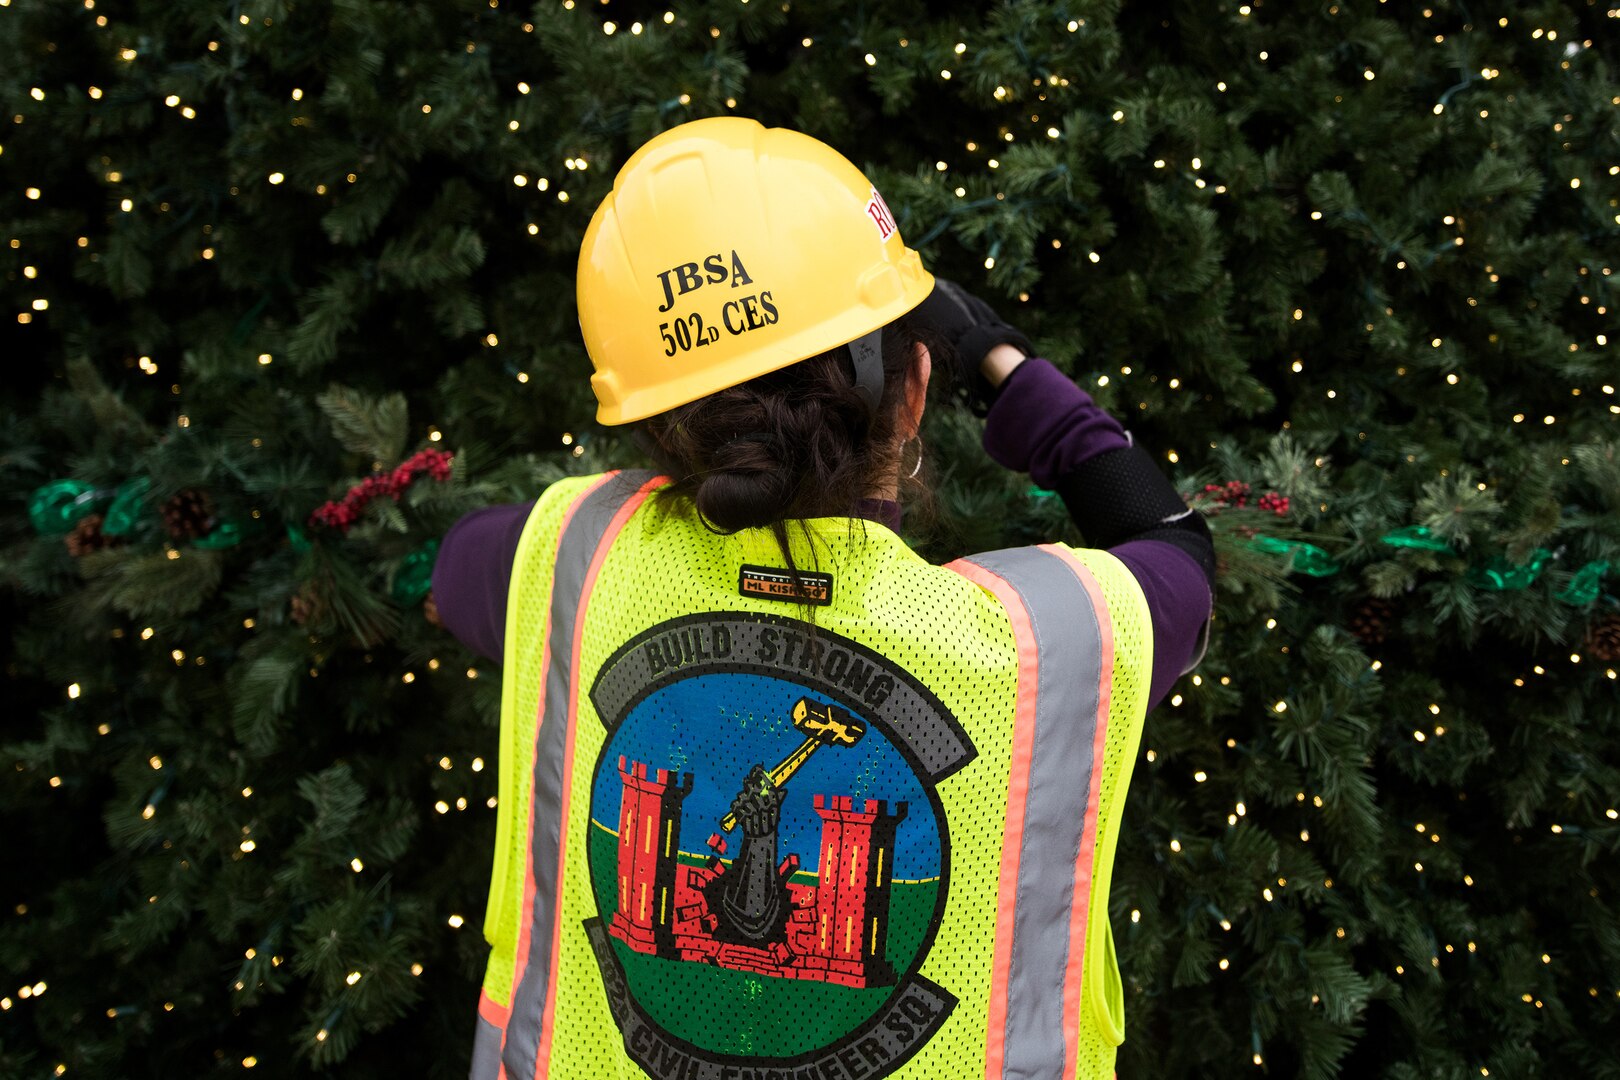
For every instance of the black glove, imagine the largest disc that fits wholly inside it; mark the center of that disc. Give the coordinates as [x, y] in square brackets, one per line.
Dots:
[971, 328]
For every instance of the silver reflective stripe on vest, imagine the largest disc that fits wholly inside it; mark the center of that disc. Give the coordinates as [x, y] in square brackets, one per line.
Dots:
[1069, 651]
[486, 1055]
[577, 548]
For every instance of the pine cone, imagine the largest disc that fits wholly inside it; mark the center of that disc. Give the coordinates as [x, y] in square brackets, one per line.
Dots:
[87, 537]
[430, 610]
[306, 606]
[1603, 638]
[1370, 621]
[189, 514]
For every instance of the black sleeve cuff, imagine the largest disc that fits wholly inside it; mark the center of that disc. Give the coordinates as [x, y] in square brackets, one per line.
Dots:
[1123, 495]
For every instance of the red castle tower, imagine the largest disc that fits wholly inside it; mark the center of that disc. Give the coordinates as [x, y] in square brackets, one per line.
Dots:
[649, 838]
[852, 897]
[838, 928]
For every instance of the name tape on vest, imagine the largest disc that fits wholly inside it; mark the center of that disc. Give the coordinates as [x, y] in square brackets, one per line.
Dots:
[769, 584]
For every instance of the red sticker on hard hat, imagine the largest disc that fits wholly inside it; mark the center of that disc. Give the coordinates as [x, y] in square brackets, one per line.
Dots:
[878, 211]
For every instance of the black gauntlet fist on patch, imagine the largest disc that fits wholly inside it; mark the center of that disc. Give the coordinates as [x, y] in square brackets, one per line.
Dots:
[758, 806]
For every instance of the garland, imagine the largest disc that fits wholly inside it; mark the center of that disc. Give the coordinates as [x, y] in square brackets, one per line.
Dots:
[343, 513]
[57, 507]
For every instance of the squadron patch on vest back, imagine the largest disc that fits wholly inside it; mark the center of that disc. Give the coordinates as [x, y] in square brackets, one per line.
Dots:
[768, 852]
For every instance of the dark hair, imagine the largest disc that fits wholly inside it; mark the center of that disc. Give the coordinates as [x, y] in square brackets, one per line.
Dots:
[793, 443]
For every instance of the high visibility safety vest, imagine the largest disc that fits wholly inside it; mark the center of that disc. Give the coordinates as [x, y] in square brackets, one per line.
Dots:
[850, 826]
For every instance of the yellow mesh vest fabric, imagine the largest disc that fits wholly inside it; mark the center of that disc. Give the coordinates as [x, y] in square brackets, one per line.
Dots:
[527, 605]
[1102, 1025]
[950, 635]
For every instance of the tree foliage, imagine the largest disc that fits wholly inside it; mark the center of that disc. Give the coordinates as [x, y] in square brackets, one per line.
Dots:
[1359, 255]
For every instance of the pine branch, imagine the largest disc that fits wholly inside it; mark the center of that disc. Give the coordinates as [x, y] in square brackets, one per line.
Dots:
[264, 688]
[329, 311]
[115, 420]
[336, 798]
[1389, 578]
[368, 425]
[160, 584]
[366, 615]
[1599, 463]
[1455, 507]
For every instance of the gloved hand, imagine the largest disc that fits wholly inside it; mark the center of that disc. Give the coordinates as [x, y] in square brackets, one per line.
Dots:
[972, 328]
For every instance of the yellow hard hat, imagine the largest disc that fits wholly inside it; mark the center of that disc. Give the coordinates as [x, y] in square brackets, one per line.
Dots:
[726, 250]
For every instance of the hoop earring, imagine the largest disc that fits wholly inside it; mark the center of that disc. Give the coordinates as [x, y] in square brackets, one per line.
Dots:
[917, 468]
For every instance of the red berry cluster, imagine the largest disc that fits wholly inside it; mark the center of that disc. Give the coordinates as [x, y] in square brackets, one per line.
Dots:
[1277, 504]
[1235, 494]
[342, 514]
[1231, 493]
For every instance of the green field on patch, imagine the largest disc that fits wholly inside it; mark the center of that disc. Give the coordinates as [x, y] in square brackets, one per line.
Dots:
[736, 1012]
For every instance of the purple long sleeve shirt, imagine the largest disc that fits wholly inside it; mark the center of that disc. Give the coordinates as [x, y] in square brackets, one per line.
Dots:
[1042, 424]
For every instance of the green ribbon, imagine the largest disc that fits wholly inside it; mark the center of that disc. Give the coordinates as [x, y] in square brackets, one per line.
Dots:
[298, 540]
[1587, 584]
[1500, 575]
[414, 578]
[61, 504]
[225, 535]
[1416, 537]
[125, 512]
[1308, 558]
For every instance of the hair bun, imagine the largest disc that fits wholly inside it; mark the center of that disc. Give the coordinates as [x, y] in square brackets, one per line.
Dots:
[729, 501]
[749, 483]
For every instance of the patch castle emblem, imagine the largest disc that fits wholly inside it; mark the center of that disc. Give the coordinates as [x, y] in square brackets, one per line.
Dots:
[768, 853]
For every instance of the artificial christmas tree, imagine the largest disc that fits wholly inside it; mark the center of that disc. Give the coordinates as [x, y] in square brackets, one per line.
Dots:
[1359, 256]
